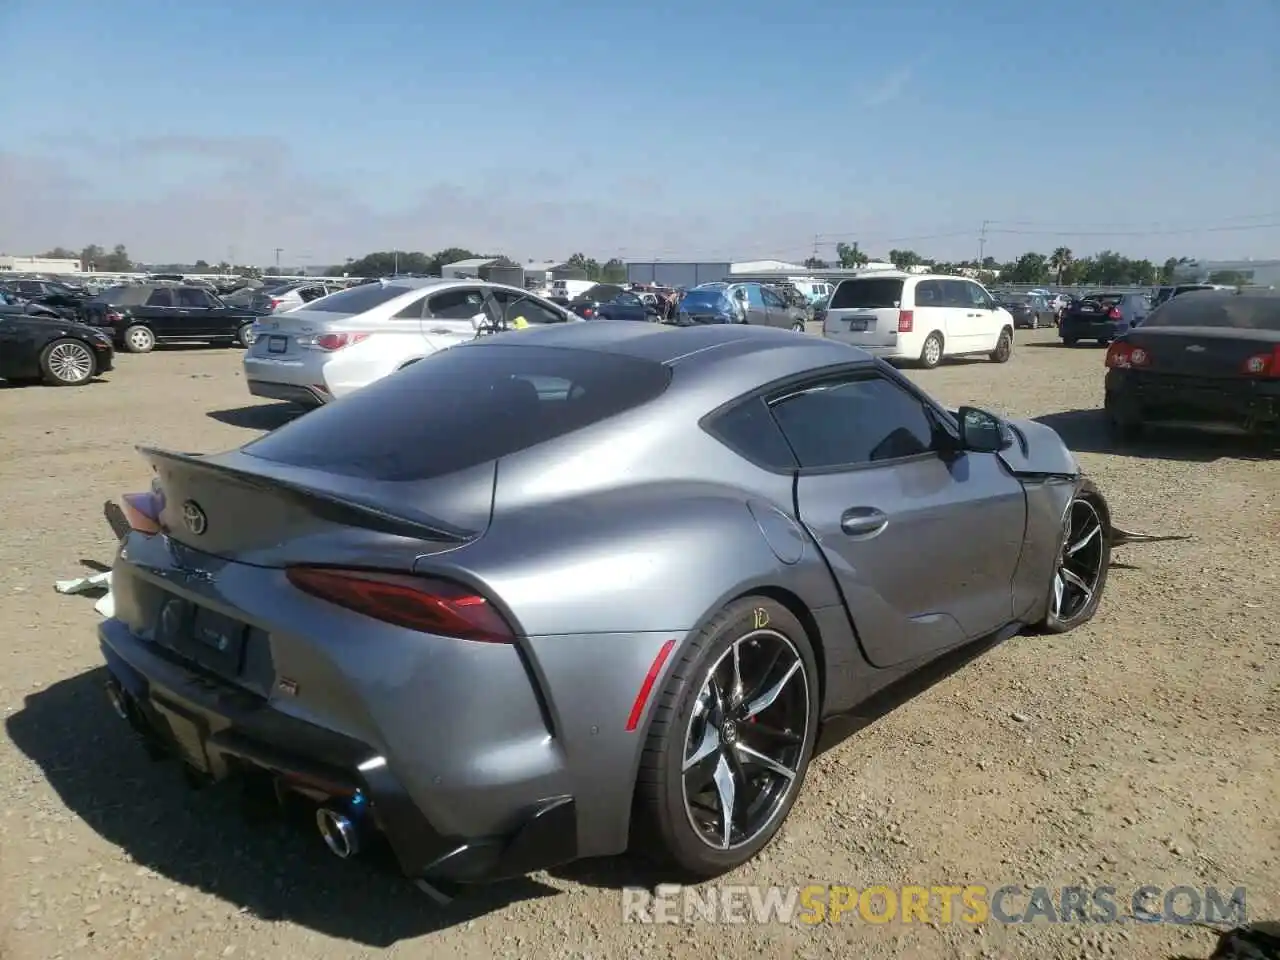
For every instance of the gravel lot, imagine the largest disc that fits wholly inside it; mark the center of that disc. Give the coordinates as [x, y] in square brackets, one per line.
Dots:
[1141, 749]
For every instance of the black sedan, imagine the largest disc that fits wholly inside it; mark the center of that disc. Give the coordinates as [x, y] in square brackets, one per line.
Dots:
[141, 316]
[1207, 360]
[59, 352]
[607, 301]
[1028, 310]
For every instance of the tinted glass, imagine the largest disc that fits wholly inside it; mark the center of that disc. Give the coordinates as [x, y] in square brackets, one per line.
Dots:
[119, 296]
[929, 293]
[700, 299]
[1214, 309]
[191, 298]
[462, 407]
[870, 293]
[750, 431]
[600, 293]
[359, 299]
[517, 306]
[459, 304]
[1015, 298]
[854, 422]
[161, 298]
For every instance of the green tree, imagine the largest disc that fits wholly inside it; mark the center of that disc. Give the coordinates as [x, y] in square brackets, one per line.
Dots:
[1230, 278]
[60, 253]
[1028, 268]
[813, 263]
[902, 259]
[850, 256]
[117, 261]
[613, 271]
[1060, 260]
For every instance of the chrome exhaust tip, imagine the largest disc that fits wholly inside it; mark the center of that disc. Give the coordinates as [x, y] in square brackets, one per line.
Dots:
[118, 702]
[338, 832]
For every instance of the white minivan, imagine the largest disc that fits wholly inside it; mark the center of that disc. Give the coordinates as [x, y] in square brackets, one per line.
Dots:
[919, 317]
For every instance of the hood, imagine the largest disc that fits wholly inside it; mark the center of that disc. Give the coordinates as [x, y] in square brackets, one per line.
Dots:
[1038, 449]
[55, 323]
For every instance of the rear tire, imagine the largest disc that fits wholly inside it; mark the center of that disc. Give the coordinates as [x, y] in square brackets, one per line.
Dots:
[931, 352]
[753, 646]
[244, 336]
[1004, 347]
[798, 326]
[138, 339]
[1080, 571]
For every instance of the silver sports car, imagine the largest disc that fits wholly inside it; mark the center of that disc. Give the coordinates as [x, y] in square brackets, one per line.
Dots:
[537, 596]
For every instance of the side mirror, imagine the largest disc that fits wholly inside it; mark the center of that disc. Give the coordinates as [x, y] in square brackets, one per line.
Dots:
[740, 294]
[982, 432]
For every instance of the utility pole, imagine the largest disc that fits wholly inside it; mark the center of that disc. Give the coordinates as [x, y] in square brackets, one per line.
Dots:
[279, 250]
[815, 246]
[982, 242]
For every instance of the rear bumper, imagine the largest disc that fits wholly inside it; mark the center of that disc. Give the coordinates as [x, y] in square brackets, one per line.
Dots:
[292, 393]
[1091, 329]
[1136, 397]
[222, 730]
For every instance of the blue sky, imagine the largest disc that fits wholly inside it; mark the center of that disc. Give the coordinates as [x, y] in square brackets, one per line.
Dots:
[673, 130]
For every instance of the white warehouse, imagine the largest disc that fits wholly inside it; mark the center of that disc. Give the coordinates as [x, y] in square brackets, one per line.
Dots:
[38, 265]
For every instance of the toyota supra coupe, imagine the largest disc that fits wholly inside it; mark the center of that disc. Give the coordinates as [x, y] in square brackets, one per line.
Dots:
[593, 588]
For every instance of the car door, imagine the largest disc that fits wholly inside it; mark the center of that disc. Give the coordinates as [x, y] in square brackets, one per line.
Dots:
[18, 354]
[448, 316]
[930, 312]
[923, 544]
[990, 319]
[195, 313]
[776, 310]
[160, 312]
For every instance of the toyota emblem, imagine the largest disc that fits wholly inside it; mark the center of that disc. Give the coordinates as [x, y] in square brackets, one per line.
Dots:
[194, 517]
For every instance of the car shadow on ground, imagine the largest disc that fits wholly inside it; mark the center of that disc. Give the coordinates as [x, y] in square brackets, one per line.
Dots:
[259, 416]
[271, 866]
[1087, 431]
[615, 873]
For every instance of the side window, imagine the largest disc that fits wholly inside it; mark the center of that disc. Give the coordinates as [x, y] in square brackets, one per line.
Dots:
[853, 422]
[411, 311]
[750, 431]
[460, 304]
[755, 295]
[628, 300]
[979, 297]
[160, 297]
[192, 299]
[771, 299]
[311, 293]
[955, 294]
[516, 307]
[929, 294]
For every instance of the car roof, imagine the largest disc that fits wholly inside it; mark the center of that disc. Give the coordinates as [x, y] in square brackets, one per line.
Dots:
[660, 343]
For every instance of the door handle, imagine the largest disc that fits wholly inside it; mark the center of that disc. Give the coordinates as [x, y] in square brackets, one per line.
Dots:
[440, 331]
[863, 521]
[975, 314]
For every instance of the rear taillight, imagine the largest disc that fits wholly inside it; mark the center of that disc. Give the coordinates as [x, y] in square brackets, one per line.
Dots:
[427, 605]
[333, 341]
[1123, 356]
[142, 511]
[588, 312]
[1263, 364]
[906, 320]
[1115, 314]
[274, 302]
[113, 316]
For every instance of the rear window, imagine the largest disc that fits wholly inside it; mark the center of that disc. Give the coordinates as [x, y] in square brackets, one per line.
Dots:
[600, 292]
[704, 299]
[1218, 310]
[359, 299]
[462, 407]
[869, 294]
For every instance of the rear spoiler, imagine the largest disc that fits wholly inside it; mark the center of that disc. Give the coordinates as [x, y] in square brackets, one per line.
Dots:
[326, 504]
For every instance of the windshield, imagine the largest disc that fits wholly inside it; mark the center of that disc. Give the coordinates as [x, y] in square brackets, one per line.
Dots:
[462, 407]
[1014, 298]
[1213, 309]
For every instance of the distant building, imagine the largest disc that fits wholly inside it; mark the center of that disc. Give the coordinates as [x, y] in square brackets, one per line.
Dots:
[38, 265]
[538, 273]
[467, 269]
[765, 266]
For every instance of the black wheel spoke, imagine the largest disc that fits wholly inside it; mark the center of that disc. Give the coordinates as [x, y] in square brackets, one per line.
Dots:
[737, 769]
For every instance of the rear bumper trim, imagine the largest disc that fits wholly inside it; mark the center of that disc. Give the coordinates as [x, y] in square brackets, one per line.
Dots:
[288, 392]
[222, 731]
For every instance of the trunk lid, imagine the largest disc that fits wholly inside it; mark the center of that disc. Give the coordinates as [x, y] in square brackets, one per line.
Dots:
[278, 333]
[258, 512]
[1216, 352]
[864, 312]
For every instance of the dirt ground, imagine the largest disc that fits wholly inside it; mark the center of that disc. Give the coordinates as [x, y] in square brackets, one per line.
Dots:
[1139, 750]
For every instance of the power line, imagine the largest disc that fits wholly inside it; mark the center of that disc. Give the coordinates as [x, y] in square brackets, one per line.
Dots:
[1183, 231]
[1197, 225]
